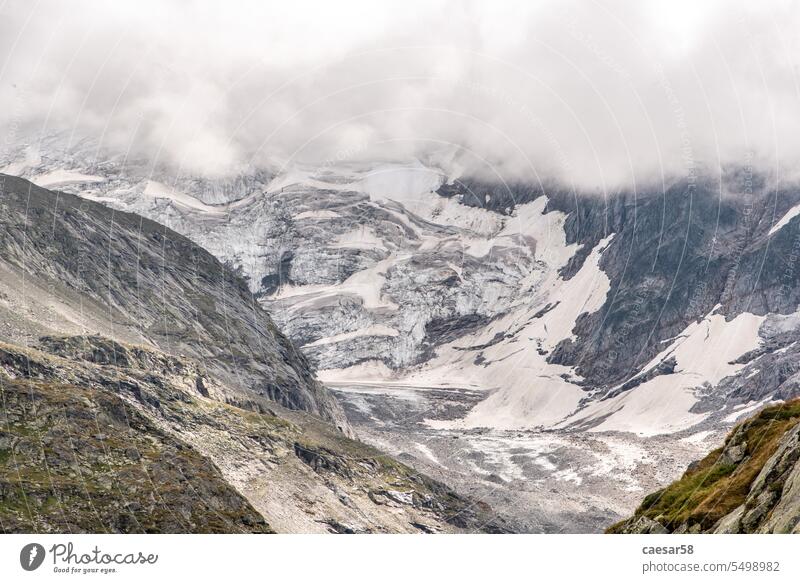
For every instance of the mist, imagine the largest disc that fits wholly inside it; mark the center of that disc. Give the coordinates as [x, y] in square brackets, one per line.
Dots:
[601, 95]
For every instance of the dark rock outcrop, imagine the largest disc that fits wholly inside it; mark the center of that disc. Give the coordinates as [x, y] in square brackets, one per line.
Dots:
[131, 278]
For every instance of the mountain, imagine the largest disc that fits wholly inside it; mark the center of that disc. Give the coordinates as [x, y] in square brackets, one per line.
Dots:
[99, 466]
[514, 339]
[70, 265]
[145, 391]
[749, 485]
[398, 271]
[99, 436]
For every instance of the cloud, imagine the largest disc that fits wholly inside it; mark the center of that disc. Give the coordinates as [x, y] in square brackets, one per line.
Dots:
[599, 94]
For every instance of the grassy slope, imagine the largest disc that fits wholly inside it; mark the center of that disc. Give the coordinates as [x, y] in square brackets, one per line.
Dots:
[715, 486]
[77, 459]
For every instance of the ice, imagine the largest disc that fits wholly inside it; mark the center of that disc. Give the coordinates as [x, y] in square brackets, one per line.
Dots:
[156, 189]
[528, 391]
[64, 177]
[791, 213]
[360, 237]
[400, 182]
[319, 215]
[375, 330]
[704, 353]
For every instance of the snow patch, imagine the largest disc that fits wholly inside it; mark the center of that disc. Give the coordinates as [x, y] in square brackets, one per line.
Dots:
[704, 353]
[428, 453]
[785, 220]
[156, 189]
[529, 391]
[323, 214]
[375, 330]
[372, 370]
[359, 238]
[401, 182]
[747, 409]
[64, 177]
[699, 437]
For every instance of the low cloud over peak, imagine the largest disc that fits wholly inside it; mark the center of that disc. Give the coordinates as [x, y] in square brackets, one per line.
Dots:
[597, 94]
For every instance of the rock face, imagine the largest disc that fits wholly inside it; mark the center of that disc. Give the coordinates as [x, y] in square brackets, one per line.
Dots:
[184, 409]
[77, 459]
[99, 436]
[749, 485]
[664, 313]
[395, 270]
[677, 255]
[71, 265]
[353, 263]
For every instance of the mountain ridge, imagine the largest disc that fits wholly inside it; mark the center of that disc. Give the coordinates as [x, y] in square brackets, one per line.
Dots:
[151, 369]
[169, 299]
[656, 316]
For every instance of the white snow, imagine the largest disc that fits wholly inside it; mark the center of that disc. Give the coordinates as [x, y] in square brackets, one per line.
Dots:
[568, 475]
[156, 189]
[529, 228]
[323, 214]
[366, 284]
[746, 409]
[389, 181]
[790, 214]
[658, 406]
[428, 453]
[306, 178]
[64, 177]
[31, 159]
[699, 437]
[704, 349]
[14, 169]
[374, 330]
[374, 370]
[703, 353]
[530, 392]
[361, 237]
[472, 221]
[547, 229]
[400, 182]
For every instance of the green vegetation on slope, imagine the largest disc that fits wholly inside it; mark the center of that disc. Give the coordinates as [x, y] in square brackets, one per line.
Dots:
[719, 483]
[77, 459]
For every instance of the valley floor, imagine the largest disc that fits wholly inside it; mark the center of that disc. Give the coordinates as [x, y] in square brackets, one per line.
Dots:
[540, 481]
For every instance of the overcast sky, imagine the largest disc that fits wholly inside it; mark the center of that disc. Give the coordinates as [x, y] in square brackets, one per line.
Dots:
[598, 93]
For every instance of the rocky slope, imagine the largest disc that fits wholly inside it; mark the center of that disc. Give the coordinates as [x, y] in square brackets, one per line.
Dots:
[98, 436]
[401, 272]
[626, 319]
[749, 485]
[70, 265]
[77, 459]
[132, 361]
